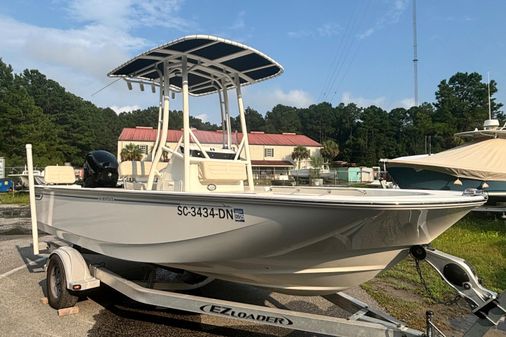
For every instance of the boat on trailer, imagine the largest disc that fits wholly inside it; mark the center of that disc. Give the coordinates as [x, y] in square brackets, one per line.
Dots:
[202, 213]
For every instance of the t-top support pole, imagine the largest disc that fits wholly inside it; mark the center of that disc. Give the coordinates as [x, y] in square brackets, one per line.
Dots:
[158, 126]
[244, 133]
[186, 125]
[227, 114]
[165, 126]
[223, 123]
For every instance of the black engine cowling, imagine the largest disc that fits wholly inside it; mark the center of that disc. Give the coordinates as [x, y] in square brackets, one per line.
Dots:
[100, 169]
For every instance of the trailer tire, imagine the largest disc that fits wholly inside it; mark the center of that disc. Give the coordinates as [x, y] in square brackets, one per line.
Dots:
[58, 295]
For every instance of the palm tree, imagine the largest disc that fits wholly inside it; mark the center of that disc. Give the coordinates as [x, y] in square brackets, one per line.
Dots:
[317, 163]
[300, 152]
[131, 152]
[330, 150]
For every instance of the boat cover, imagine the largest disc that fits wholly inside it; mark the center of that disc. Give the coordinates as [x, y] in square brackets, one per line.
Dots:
[211, 60]
[485, 160]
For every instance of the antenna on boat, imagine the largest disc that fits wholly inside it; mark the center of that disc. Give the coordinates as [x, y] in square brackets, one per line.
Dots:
[489, 105]
[490, 124]
[99, 90]
[415, 54]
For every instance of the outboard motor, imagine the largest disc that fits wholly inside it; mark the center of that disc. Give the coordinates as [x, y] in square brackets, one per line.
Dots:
[100, 169]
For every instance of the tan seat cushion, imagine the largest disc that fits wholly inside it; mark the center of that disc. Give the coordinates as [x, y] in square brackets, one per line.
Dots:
[59, 175]
[222, 171]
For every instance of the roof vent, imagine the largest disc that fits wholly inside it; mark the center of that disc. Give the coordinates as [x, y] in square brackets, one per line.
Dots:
[289, 133]
[144, 127]
[257, 132]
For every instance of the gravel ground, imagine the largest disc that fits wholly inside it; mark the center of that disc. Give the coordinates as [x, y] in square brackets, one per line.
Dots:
[15, 220]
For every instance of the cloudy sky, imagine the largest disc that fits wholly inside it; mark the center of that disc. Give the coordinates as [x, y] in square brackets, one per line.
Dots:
[337, 51]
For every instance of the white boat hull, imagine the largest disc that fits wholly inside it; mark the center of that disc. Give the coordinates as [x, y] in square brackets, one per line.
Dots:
[316, 241]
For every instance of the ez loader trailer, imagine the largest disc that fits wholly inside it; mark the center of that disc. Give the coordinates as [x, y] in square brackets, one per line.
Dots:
[69, 273]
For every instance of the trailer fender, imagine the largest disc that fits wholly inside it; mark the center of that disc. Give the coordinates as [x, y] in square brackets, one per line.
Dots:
[76, 269]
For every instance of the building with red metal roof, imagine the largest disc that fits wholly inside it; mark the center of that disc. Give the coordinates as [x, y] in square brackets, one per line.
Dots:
[271, 154]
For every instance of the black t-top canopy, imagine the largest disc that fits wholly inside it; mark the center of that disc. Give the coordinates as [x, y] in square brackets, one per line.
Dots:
[212, 63]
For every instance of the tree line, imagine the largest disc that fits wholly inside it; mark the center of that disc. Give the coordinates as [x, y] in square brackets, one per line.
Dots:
[63, 127]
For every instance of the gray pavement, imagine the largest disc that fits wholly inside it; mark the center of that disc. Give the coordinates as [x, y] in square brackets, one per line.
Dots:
[108, 313]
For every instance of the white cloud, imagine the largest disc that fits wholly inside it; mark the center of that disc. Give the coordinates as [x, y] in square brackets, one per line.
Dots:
[77, 58]
[328, 29]
[296, 98]
[202, 117]
[263, 100]
[125, 14]
[99, 39]
[391, 16]
[325, 30]
[381, 101]
[127, 108]
[239, 21]
[367, 33]
[363, 102]
[299, 34]
[406, 103]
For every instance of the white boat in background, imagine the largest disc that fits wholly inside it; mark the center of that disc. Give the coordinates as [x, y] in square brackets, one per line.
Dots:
[324, 172]
[198, 214]
[23, 177]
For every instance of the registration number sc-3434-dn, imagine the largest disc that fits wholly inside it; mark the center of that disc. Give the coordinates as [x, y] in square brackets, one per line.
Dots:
[227, 213]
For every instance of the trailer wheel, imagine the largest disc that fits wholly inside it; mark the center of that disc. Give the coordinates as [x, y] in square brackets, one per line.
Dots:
[58, 295]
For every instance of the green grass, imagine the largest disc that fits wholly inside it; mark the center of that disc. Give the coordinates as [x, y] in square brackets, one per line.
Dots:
[14, 198]
[481, 241]
[478, 239]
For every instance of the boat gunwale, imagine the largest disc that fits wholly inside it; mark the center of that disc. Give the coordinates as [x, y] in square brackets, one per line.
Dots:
[166, 197]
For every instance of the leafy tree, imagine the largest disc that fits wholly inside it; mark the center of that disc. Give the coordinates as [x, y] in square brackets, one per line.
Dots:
[79, 124]
[131, 152]
[346, 122]
[418, 128]
[317, 121]
[282, 118]
[330, 150]
[144, 117]
[254, 120]
[300, 153]
[22, 122]
[371, 142]
[64, 127]
[462, 104]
